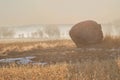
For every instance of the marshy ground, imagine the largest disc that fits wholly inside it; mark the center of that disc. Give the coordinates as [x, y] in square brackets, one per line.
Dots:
[64, 60]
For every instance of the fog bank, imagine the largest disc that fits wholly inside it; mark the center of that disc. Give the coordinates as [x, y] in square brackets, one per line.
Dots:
[49, 31]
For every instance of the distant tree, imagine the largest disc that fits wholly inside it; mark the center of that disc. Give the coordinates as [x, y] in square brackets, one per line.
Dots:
[40, 33]
[34, 35]
[52, 31]
[6, 32]
[21, 35]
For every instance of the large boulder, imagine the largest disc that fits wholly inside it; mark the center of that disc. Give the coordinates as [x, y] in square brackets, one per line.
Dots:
[86, 32]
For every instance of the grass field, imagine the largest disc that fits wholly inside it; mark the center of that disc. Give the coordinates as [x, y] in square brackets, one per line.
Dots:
[64, 60]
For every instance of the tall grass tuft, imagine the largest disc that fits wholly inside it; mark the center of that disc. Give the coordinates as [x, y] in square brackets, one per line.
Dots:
[88, 70]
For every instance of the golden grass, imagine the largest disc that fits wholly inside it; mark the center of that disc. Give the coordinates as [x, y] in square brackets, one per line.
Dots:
[108, 42]
[52, 72]
[87, 70]
[5, 48]
[96, 65]
[111, 42]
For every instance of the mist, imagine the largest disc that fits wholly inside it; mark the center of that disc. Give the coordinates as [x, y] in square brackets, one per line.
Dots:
[50, 31]
[25, 12]
[52, 19]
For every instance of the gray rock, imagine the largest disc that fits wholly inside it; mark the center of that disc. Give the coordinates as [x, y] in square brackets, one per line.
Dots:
[86, 32]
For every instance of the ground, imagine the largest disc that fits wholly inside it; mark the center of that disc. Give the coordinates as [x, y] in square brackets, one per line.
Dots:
[64, 61]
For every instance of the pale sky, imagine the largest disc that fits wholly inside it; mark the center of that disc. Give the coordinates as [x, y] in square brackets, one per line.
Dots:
[24, 12]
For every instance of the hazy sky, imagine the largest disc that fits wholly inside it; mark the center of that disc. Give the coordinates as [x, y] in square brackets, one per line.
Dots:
[20, 12]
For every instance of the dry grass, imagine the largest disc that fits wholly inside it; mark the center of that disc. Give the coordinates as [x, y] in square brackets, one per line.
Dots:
[19, 47]
[6, 48]
[108, 42]
[88, 70]
[111, 41]
[71, 63]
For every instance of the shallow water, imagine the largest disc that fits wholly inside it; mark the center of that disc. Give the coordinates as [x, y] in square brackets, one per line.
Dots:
[22, 60]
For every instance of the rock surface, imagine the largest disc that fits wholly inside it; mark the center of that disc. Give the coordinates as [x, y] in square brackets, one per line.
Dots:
[86, 32]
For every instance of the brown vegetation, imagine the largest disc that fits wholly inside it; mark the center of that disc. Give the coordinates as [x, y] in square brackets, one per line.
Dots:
[88, 70]
[109, 42]
[64, 60]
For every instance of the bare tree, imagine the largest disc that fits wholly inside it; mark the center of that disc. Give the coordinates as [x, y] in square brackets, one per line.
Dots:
[21, 35]
[6, 32]
[40, 33]
[34, 34]
[52, 31]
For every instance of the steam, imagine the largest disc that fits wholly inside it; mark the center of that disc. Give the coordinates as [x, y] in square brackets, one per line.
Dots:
[110, 29]
[60, 31]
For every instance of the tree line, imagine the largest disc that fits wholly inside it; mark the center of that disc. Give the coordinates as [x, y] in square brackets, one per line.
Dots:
[6, 32]
[48, 31]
